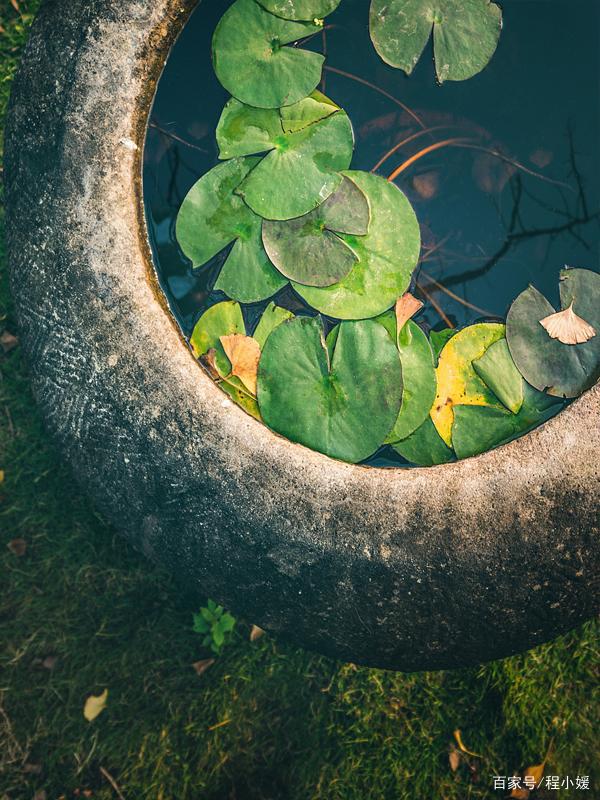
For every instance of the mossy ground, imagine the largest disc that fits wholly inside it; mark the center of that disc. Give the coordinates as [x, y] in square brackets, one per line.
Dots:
[267, 721]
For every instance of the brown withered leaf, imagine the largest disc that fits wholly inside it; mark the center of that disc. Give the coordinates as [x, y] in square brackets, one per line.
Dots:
[40, 795]
[18, 547]
[406, 307]
[49, 662]
[426, 185]
[32, 769]
[200, 667]
[541, 157]
[519, 793]
[454, 759]
[209, 361]
[8, 342]
[244, 355]
[567, 327]
[256, 633]
[94, 705]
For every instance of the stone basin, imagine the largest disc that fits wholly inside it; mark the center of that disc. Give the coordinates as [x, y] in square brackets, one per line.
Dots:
[404, 569]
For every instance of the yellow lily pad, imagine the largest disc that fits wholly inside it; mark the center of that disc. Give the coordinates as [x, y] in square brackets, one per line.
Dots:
[457, 381]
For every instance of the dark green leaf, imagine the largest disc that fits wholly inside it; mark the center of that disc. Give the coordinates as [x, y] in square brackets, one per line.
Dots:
[300, 9]
[497, 369]
[272, 317]
[308, 250]
[438, 340]
[424, 447]
[218, 320]
[343, 406]
[387, 256]
[252, 62]
[563, 370]
[465, 34]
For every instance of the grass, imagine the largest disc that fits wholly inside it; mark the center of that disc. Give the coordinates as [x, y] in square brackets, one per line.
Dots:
[266, 721]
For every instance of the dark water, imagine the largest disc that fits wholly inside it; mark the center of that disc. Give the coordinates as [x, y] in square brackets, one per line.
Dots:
[490, 225]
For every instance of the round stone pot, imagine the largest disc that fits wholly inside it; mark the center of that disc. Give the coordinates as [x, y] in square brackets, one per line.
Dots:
[405, 569]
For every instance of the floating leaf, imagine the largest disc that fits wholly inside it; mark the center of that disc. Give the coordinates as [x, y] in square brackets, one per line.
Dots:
[497, 369]
[272, 317]
[218, 320]
[211, 217]
[241, 396]
[328, 403]
[567, 327]
[307, 146]
[477, 429]
[424, 447]
[406, 307]
[418, 371]
[465, 34]
[300, 9]
[94, 705]
[243, 352]
[252, 62]
[562, 370]
[308, 250]
[387, 256]
[457, 380]
[439, 339]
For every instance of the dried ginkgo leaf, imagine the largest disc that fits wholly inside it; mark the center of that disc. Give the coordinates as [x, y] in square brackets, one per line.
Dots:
[406, 307]
[567, 327]
[256, 633]
[244, 354]
[95, 705]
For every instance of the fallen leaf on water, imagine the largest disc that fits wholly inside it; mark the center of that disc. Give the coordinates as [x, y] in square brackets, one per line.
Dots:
[8, 342]
[209, 361]
[427, 185]
[256, 633]
[567, 327]
[459, 742]
[454, 760]
[201, 666]
[18, 547]
[541, 158]
[244, 354]
[406, 307]
[94, 705]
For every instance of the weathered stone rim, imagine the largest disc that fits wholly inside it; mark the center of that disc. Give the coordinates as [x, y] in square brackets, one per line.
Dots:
[408, 569]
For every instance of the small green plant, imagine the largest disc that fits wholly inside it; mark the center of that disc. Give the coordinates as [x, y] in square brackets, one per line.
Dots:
[215, 624]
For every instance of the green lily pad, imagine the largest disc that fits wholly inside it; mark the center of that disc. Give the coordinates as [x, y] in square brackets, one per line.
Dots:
[438, 340]
[343, 406]
[218, 320]
[465, 34]
[241, 396]
[306, 149]
[308, 250]
[477, 429]
[418, 376]
[300, 9]
[457, 381]
[387, 256]
[497, 369]
[252, 62]
[424, 447]
[562, 370]
[211, 217]
[272, 317]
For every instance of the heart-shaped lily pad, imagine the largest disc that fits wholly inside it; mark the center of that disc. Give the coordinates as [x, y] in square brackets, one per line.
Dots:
[308, 250]
[477, 429]
[439, 339]
[458, 383]
[343, 405]
[307, 147]
[418, 376]
[211, 217]
[562, 370]
[424, 447]
[300, 9]
[252, 62]
[497, 369]
[465, 34]
[272, 317]
[387, 256]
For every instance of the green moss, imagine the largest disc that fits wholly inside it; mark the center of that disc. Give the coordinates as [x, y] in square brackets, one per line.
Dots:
[297, 726]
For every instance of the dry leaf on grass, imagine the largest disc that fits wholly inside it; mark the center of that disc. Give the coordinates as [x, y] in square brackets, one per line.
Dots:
[40, 795]
[201, 666]
[8, 342]
[256, 633]
[94, 705]
[567, 327]
[1, 476]
[460, 743]
[454, 760]
[18, 547]
[244, 354]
